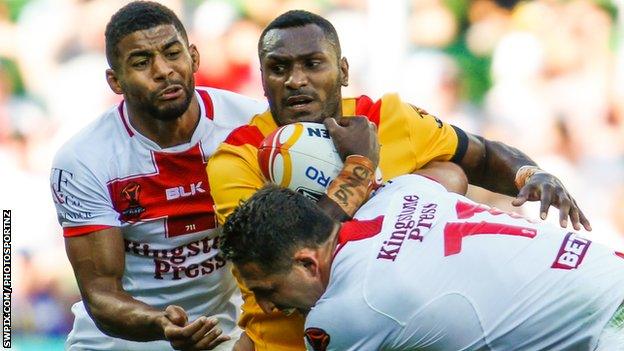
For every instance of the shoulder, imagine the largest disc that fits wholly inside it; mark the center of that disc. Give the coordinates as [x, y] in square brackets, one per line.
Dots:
[363, 105]
[245, 135]
[230, 109]
[94, 143]
[252, 134]
[325, 326]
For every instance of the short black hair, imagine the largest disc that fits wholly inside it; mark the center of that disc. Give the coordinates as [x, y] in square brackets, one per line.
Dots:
[300, 18]
[135, 16]
[270, 226]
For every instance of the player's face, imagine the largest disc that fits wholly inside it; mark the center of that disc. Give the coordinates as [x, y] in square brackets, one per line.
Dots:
[295, 290]
[302, 75]
[156, 68]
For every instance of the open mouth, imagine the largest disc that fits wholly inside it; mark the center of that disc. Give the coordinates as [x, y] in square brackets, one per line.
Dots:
[171, 92]
[298, 101]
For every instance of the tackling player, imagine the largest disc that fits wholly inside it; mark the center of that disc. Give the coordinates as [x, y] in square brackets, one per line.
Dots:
[134, 201]
[302, 74]
[420, 268]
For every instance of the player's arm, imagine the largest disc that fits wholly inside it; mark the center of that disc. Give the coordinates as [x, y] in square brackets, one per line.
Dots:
[507, 170]
[490, 164]
[98, 262]
[356, 141]
[450, 175]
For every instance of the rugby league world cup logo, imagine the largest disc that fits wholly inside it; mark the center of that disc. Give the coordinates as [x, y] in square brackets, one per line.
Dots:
[131, 193]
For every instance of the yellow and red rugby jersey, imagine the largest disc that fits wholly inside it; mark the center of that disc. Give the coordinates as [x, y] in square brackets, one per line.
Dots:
[409, 139]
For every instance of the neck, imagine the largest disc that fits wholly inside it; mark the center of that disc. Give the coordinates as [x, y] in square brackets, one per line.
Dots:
[327, 255]
[166, 133]
[338, 114]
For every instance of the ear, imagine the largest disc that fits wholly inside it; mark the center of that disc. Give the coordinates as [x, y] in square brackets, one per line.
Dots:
[113, 82]
[344, 71]
[264, 88]
[309, 260]
[195, 57]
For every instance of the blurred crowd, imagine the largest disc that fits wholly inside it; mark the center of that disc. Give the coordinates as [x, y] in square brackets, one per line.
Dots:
[545, 76]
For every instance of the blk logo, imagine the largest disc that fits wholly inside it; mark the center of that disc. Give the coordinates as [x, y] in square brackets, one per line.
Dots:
[180, 191]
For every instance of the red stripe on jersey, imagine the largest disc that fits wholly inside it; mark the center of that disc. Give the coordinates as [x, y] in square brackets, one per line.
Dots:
[364, 106]
[178, 192]
[467, 210]
[208, 106]
[245, 135]
[123, 119]
[619, 254]
[354, 230]
[69, 232]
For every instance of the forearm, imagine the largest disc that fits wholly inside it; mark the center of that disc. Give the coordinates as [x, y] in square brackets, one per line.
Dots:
[98, 261]
[331, 208]
[118, 314]
[495, 167]
[350, 189]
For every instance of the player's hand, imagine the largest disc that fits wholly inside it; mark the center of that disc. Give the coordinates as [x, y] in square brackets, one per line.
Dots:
[549, 190]
[201, 334]
[354, 136]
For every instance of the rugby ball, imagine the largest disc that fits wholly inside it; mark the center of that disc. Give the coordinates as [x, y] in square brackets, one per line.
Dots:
[300, 156]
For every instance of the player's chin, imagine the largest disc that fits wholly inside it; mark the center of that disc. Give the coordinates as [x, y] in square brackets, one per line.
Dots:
[172, 110]
[314, 117]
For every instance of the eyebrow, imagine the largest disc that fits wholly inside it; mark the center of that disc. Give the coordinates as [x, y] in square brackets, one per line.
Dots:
[279, 57]
[148, 53]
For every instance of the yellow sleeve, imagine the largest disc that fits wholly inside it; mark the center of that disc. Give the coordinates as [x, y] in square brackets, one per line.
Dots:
[234, 176]
[416, 137]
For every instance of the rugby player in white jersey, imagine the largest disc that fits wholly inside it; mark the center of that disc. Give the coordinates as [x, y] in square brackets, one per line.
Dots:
[422, 268]
[134, 201]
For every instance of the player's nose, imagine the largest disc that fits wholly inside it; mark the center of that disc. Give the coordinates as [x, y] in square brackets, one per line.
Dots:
[162, 68]
[297, 78]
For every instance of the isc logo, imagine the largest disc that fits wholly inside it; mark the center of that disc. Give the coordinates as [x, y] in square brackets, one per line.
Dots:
[318, 132]
[572, 252]
[178, 192]
[318, 176]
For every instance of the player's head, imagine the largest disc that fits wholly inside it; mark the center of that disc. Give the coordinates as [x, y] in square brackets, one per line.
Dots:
[302, 68]
[278, 240]
[151, 61]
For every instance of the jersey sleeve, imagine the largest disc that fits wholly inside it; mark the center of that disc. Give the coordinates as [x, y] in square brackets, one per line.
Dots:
[81, 199]
[430, 139]
[234, 172]
[235, 109]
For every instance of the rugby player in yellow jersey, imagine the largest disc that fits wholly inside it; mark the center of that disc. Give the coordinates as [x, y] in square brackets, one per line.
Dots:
[302, 75]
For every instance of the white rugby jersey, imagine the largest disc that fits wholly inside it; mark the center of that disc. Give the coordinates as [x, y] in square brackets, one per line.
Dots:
[109, 175]
[425, 269]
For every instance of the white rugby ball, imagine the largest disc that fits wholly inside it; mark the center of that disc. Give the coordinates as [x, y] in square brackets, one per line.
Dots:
[300, 156]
